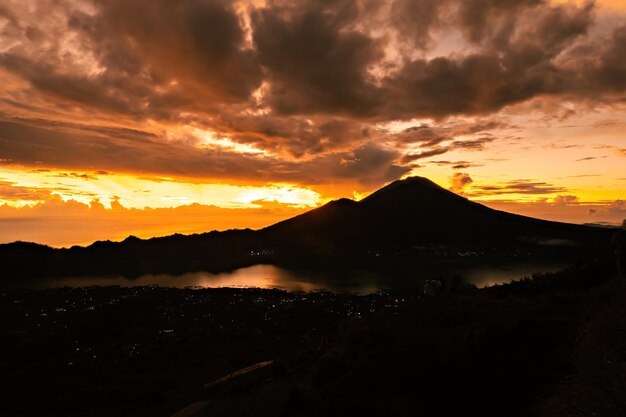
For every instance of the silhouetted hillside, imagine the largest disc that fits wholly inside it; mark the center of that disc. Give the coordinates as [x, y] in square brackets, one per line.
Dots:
[393, 221]
[417, 211]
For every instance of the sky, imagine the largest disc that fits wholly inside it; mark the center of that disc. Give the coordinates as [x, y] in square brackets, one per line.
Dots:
[151, 117]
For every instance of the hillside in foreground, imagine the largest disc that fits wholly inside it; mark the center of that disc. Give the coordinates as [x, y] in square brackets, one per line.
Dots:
[551, 346]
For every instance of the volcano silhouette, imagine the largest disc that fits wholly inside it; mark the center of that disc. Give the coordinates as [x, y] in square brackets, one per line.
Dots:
[403, 215]
[416, 211]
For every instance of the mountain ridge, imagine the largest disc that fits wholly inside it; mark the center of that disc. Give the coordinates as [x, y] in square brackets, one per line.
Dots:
[418, 210]
[396, 219]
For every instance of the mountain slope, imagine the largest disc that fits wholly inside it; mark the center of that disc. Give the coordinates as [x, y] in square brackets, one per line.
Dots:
[395, 219]
[416, 210]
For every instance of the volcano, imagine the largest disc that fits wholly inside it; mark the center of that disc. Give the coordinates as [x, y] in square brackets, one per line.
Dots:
[418, 211]
[398, 218]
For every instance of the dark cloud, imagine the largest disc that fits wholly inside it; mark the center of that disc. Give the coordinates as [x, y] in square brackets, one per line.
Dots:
[416, 19]
[480, 126]
[465, 165]
[408, 158]
[518, 42]
[590, 158]
[429, 135]
[308, 82]
[370, 164]
[424, 135]
[147, 154]
[457, 164]
[140, 60]
[297, 136]
[315, 63]
[88, 151]
[608, 71]
[199, 43]
[82, 176]
[477, 144]
[317, 58]
[521, 186]
[489, 20]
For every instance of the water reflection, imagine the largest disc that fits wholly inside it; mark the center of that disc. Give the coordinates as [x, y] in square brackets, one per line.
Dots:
[352, 281]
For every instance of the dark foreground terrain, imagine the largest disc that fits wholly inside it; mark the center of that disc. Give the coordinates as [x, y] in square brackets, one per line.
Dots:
[554, 345]
[148, 351]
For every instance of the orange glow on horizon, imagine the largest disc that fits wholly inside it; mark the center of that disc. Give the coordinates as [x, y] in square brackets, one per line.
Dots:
[141, 192]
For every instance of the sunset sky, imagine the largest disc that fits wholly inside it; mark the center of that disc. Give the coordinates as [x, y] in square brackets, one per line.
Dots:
[151, 117]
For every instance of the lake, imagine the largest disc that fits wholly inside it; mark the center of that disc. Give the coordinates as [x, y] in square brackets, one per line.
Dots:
[352, 281]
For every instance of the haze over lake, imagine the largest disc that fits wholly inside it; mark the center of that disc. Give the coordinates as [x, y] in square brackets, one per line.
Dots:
[352, 281]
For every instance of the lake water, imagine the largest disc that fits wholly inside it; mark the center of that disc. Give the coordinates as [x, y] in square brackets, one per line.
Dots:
[269, 276]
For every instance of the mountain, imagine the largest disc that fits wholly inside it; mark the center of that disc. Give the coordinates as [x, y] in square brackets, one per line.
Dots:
[418, 211]
[397, 219]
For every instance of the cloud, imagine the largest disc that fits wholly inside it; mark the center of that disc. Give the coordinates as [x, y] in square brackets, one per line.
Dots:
[618, 206]
[465, 165]
[65, 223]
[424, 135]
[408, 158]
[472, 144]
[9, 191]
[315, 60]
[566, 200]
[303, 83]
[477, 144]
[369, 164]
[457, 164]
[521, 186]
[459, 181]
[591, 158]
[560, 209]
[198, 44]
[607, 72]
[512, 59]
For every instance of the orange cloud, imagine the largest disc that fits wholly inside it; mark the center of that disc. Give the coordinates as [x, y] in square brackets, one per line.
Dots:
[458, 182]
[65, 223]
